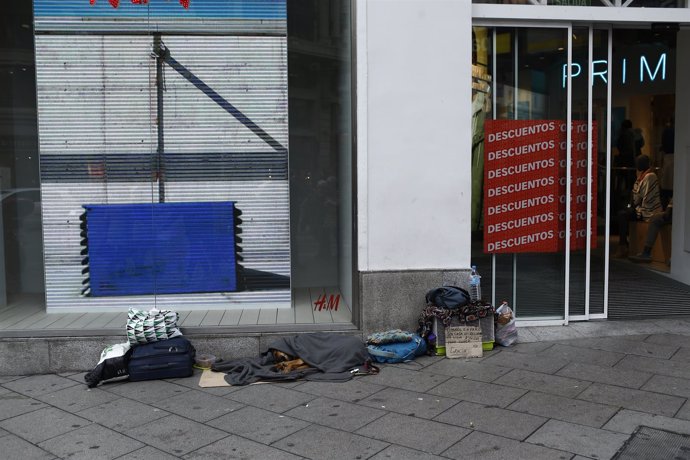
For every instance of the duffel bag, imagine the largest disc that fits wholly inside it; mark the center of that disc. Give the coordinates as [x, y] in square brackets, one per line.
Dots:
[172, 358]
[398, 352]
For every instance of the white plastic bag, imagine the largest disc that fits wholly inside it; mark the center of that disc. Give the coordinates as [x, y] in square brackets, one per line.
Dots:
[506, 330]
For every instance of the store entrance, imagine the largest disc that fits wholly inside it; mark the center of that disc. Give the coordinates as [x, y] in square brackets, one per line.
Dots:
[643, 105]
[549, 178]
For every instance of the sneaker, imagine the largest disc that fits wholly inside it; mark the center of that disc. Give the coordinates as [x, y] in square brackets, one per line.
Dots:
[641, 257]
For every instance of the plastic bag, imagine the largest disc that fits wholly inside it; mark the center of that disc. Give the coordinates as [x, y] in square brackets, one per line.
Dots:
[114, 363]
[151, 326]
[506, 330]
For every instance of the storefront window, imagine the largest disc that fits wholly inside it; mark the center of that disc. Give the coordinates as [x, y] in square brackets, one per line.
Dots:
[610, 3]
[200, 157]
[21, 256]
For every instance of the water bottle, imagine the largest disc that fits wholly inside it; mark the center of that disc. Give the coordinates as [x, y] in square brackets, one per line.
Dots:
[475, 285]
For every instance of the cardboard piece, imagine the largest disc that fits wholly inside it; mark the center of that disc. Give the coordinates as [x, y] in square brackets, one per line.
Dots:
[464, 342]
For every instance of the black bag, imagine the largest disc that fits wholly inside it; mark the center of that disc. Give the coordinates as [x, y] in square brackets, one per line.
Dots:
[448, 297]
[172, 358]
[114, 363]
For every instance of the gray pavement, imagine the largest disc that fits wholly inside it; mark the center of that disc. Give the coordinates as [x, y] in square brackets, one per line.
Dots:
[561, 393]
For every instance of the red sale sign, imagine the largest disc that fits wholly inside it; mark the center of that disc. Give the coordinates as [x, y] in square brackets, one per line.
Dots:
[578, 187]
[525, 186]
[521, 167]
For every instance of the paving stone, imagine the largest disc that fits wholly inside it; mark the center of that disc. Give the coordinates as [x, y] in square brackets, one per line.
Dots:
[673, 325]
[147, 391]
[526, 347]
[43, 424]
[671, 339]
[478, 392]
[327, 443]
[555, 333]
[259, 425]
[3, 433]
[176, 435]
[656, 366]
[399, 452]
[610, 375]
[352, 391]
[9, 378]
[409, 402]
[626, 421]
[684, 411]
[668, 385]
[198, 405]
[628, 398]
[90, 443]
[14, 447]
[36, 385]
[483, 446]
[148, 453]
[560, 408]
[582, 440]
[468, 369]
[683, 354]
[406, 379]
[335, 414]
[530, 362]
[423, 435]
[122, 414]
[630, 347]
[271, 397]
[419, 362]
[234, 447]
[525, 335]
[569, 353]
[13, 404]
[76, 398]
[492, 419]
[562, 386]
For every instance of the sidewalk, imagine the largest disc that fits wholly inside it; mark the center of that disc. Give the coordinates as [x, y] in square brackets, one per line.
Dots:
[562, 393]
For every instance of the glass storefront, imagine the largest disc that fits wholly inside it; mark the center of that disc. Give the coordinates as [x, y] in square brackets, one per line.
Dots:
[549, 106]
[193, 155]
[606, 3]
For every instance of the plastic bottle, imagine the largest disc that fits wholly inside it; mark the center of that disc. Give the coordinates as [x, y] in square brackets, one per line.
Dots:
[475, 285]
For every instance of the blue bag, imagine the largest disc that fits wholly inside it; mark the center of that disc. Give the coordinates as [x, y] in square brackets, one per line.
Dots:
[398, 352]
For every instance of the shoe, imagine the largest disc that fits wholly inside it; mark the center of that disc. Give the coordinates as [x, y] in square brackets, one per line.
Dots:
[621, 252]
[641, 257]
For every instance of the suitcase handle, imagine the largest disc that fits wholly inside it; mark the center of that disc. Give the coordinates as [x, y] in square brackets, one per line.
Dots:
[157, 366]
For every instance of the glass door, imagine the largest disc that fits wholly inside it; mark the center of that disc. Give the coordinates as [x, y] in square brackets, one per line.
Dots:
[535, 174]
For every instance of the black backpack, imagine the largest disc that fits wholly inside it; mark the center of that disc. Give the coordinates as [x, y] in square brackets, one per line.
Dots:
[448, 297]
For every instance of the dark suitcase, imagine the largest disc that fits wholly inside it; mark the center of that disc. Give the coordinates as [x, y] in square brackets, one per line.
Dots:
[172, 358]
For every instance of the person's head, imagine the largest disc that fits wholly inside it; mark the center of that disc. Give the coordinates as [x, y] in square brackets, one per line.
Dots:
[627, 124]
[642, 162]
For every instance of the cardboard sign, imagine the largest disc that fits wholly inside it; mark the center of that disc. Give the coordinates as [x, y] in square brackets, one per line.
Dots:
[464, 342]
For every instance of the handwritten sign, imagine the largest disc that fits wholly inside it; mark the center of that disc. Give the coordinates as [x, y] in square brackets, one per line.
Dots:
[464, 342]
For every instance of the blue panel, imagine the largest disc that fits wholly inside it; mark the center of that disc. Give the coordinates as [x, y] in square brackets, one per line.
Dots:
[216, 9]
[161, 248]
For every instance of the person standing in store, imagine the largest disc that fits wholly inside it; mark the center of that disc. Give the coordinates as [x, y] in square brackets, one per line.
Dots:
[644, 203]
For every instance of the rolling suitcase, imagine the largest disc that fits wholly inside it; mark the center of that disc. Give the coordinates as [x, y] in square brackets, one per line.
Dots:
[172, 358]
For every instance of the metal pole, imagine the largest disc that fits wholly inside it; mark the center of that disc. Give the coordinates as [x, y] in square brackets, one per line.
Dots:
[160, 152]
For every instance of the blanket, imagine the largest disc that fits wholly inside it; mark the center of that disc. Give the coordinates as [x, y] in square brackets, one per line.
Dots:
[332, 357]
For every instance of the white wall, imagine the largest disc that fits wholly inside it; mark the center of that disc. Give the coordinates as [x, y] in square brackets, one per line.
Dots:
[680, 258]
[414, 121]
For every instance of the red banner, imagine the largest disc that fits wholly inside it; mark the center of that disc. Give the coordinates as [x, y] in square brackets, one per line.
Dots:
[521, 186]
[578, 190]
[525, 186]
